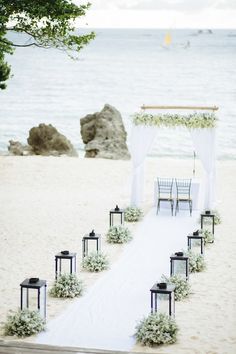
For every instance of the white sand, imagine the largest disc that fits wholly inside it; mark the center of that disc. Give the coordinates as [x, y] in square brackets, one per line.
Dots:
[48, 204]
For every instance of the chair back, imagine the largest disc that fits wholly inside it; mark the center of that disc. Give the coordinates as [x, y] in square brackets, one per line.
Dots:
[183, 187]
[165, 186]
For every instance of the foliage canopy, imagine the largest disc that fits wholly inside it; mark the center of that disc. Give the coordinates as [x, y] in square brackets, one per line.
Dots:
[47, 24]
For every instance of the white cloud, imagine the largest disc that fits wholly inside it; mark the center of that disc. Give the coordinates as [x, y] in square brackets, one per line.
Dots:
[161, 14]
[178, 5]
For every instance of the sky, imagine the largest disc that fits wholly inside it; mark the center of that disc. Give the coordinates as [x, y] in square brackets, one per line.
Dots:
[160, 14]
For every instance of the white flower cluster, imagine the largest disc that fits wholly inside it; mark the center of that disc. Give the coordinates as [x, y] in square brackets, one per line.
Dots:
[24, 323]
[133, 214]
[182, 287]
[194, 120]
[207, 236]
[95, 262]
[67, 286]
[118, 234]
[156, 329]
[196, 262]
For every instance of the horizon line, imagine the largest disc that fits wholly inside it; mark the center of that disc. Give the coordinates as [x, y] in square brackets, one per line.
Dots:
[162, 28]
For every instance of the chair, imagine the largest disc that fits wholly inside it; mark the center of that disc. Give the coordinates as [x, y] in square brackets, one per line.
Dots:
[183, 193]
[165, 187]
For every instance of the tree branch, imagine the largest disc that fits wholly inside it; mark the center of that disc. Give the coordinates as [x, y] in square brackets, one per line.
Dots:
[22, 45]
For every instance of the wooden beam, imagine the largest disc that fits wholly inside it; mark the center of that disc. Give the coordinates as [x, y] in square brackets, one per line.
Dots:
[209, 108]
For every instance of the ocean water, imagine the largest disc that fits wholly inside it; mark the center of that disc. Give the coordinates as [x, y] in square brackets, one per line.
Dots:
[125, 68]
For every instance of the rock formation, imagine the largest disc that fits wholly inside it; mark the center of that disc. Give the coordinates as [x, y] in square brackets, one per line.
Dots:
[43, 140]
[16, 148]
[46, 140]
[104, 135]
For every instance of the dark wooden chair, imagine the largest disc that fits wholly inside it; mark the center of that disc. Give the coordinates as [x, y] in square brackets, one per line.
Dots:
[165, 189]
[183, 193]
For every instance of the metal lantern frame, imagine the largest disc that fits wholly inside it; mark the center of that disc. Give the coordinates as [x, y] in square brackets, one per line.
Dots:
[200, 238]
[71, 257]
[40, 286]
[184, 259]
[87, 239]
[113, 212]
[169, 291]
[211, 216]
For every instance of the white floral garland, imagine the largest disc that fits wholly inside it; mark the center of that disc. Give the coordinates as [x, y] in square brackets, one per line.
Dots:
[194, 120]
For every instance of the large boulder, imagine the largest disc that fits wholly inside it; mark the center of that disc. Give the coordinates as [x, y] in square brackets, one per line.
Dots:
[46, 140]
[18, 149]
[104, 134]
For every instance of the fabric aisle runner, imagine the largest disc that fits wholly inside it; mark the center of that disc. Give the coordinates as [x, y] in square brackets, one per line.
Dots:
[106, 316]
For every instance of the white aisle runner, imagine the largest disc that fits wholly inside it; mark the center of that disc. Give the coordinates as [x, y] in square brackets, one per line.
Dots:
[106, 316]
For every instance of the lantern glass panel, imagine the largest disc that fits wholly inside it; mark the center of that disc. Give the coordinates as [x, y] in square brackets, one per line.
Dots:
[30, 299]
[64, 265]
[163, 303]
[195, 244]
[180, 267]
[116, 219]
[91, 246]
[207, 224]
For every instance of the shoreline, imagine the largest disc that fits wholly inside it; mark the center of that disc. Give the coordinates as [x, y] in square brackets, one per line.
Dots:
[4, 153]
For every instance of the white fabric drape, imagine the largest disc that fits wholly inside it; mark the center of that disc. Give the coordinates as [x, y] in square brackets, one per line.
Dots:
[142, 138]
[204, 144]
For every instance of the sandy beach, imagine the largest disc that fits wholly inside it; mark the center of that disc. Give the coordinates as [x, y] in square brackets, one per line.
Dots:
[48, 204]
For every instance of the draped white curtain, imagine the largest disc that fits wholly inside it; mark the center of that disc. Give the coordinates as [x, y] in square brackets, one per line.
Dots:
[204, 145]
[142, 138]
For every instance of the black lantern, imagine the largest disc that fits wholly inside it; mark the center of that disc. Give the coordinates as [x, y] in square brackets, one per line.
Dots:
[163, 298]
[179, 264]
[88, 238]
[65, 255]
[34, 284]
[200, 242]
[208, 214]
[118, 214]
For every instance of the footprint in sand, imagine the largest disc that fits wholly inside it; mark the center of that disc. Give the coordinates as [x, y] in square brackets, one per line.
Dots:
[194, 337]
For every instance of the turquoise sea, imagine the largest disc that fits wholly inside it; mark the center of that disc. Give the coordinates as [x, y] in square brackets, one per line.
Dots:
[125, 68]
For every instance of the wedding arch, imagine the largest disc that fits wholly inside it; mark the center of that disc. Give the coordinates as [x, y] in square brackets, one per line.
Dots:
[202, 130]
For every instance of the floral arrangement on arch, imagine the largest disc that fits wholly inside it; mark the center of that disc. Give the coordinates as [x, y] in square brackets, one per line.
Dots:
[23, 323]
[156, 329]
[194, 120]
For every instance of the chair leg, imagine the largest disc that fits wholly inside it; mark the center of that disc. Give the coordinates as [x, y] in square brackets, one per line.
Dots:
[158, 206]
[172, 207]
[190, 207]
[176, 207]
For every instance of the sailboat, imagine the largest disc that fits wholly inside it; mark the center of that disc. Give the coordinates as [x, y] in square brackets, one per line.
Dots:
[167, 40]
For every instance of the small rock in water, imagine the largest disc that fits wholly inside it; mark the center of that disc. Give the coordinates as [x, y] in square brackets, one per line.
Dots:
[18, 149]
